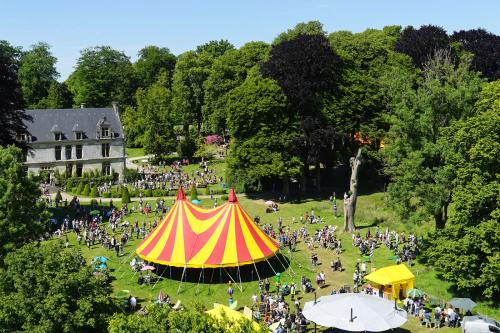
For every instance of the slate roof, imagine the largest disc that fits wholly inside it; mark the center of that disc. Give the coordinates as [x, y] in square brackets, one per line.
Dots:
[66, 121]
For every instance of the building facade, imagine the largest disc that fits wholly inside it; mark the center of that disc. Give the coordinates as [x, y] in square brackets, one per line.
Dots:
[75, 141]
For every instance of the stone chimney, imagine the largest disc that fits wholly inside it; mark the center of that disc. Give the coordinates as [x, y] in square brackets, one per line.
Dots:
[115, 107]
[82, 105]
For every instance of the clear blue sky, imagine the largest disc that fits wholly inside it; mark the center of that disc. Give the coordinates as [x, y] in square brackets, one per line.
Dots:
[71, 25]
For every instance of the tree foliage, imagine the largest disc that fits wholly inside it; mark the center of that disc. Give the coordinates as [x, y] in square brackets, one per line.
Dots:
[37, 72]
[152, 62]
[12, 116]
[102, 75]
[47, 288]
[419, 186]
[467, 251]
[486, 49]
[421, 44]
[21, 215]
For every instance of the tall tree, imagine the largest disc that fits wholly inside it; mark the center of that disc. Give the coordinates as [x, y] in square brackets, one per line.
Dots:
[303, 28]
[305, 67]
[21, 215]
[59, 97]
[155, 106]
[486, 49]
[102, 75]
[215, 48]
[48, 288]
[226, 73]
[37, 72]
[420, 186]
[263, 132]
[421, 44]
[466, 252]
[152, 62]
[12, 115]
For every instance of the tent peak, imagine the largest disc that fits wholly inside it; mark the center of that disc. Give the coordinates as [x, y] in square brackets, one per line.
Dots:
[180, 194]
[232, 196]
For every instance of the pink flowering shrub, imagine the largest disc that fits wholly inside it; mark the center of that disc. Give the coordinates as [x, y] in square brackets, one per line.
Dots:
[214, 138]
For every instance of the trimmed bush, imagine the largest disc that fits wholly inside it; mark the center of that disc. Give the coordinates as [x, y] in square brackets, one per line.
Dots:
[58, 197]
[69, 184]
[106, 195]
[125, 195]
[194, 193]
[74, 190]
[79, 190]
[224, 197]
[93, 202]
[86, 190]
[94, 193]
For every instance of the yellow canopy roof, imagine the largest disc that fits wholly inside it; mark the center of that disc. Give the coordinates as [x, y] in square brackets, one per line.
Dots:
[391, 275]
[230, 314]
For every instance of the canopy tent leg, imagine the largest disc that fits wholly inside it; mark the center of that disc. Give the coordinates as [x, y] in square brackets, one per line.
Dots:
[241, 290]
[182, 278]
[239, 275]
[256, 270]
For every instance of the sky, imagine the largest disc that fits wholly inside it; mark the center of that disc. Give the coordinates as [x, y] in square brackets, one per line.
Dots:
[70, 25]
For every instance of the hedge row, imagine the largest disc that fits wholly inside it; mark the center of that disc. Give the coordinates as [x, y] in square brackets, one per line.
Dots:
[117, 192]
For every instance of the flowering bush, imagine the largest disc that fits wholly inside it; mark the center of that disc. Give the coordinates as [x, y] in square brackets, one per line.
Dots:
[214, 138]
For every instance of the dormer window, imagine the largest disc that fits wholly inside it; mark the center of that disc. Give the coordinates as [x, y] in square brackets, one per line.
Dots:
[79, 135]
[58, 136]
[104, 132]
[23, 138]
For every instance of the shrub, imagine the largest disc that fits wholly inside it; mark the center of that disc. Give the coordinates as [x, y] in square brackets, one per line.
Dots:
[93, 203]
[94, 193]
[131, 175]
[86, 190]
[125, 195]
[58, 197]
[207, 191]
[160, 193]
[74, 190]
[194, 193]
[148, 193]
[106, 195]
[69, 184]
[81, 185]
[224, 197]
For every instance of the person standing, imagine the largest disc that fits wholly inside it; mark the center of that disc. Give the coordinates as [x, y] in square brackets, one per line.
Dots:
[437, 317]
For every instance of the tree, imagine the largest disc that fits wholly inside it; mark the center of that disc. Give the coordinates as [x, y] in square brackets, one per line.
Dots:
[47, 288]
[215, 48]
[21, 214]
[305, 68]
[102, 75]
[94, 193]
[58, 197]
[37, 72]
[350, 201]
[154, 106]
[307, 28]
[12, 115]
[421, 44]
[125, 195]
[86, 190]
[420, 186]
[152, 62]
[486, 49]
[263, 133]
[467, 251]
[226, 73]
[59, 97]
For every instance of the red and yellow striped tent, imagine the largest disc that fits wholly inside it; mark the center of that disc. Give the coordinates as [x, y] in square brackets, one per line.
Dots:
[194, 237]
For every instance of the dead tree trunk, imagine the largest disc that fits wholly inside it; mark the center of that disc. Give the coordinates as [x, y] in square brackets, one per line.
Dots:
[350, 201]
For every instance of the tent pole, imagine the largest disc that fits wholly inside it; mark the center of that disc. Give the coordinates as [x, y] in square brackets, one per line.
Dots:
[199, 278]
[270, 266]
[123, 261]
[239, 275]
[157, 280]
[290, 266]
[182, 278]
[256, 270]
[232, 279]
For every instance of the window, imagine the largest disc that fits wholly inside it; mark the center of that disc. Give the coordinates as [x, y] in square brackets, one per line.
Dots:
[79, 135]
[69, 169]
[79, 152]
[79, 169]
[106, 169]
[105, 132]
[58, 136]
[105, 150]
[68, 152]
[58, 153]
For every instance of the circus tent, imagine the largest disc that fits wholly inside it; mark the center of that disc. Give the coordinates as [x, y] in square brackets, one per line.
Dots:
[193, 237]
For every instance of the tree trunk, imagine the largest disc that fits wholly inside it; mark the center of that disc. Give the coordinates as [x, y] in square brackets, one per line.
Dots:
[286, 186]
[318, 176]
[305, 175]
[350, 201]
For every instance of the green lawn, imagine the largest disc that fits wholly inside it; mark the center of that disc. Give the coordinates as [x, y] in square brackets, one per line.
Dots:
[134, 152]
[371, 209]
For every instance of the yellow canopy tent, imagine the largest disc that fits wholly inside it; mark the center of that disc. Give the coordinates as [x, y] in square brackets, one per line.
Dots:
[220, 311]
[397, 277]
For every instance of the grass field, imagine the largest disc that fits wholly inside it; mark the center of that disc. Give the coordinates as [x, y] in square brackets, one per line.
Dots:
[134, 152]
[371, 211]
